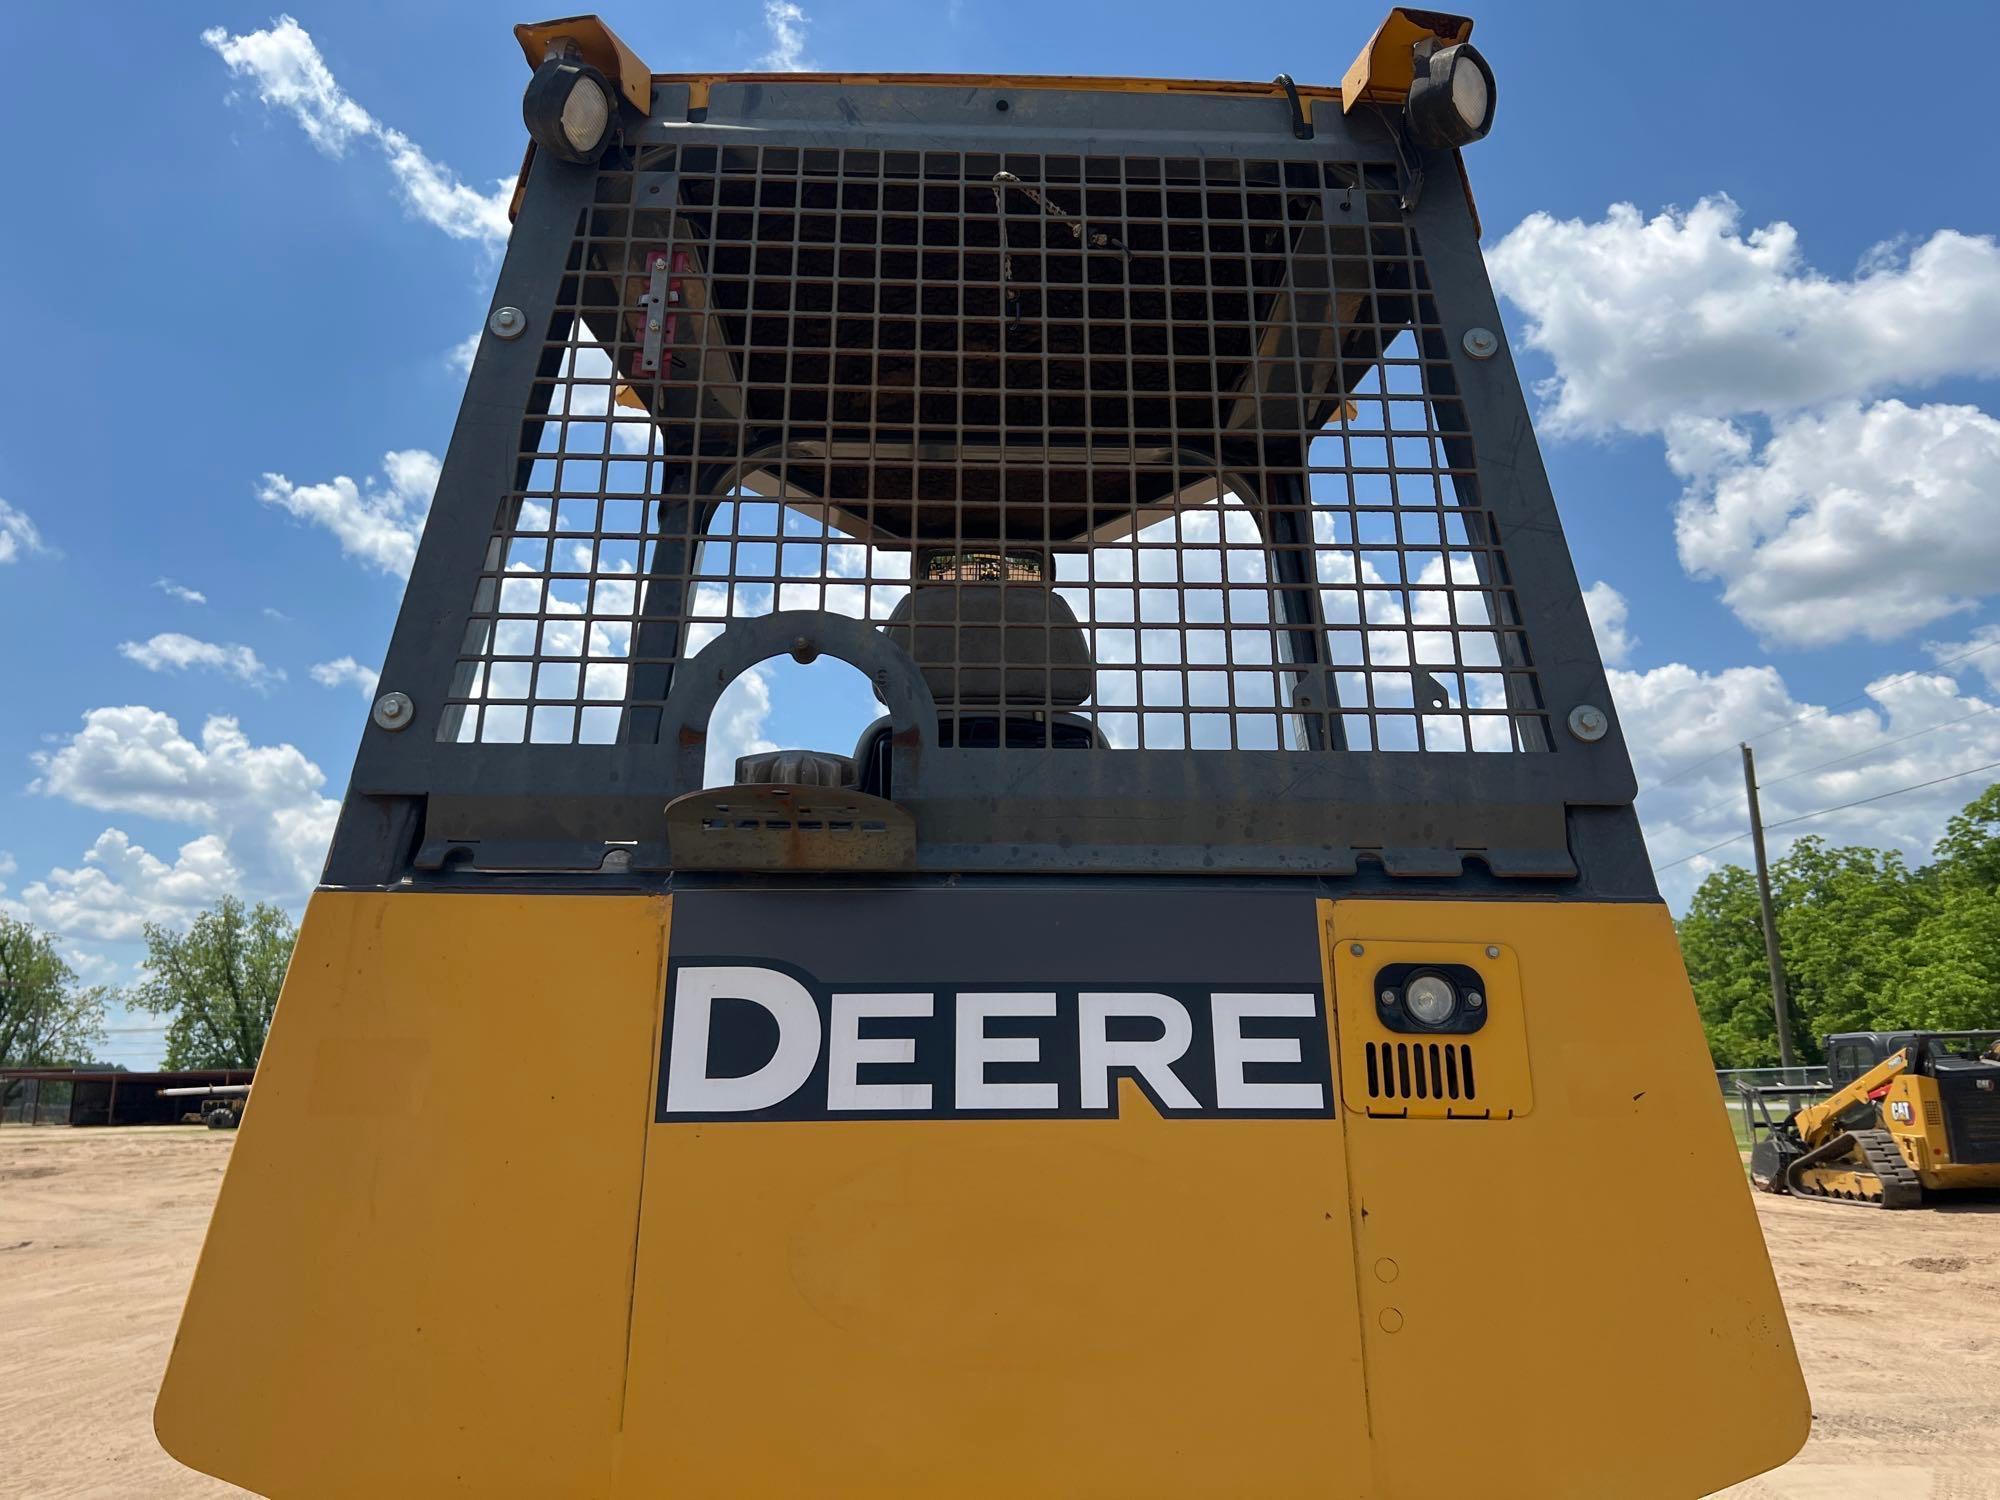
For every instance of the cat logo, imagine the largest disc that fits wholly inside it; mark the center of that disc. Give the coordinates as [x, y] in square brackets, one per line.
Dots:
[1902, 1111]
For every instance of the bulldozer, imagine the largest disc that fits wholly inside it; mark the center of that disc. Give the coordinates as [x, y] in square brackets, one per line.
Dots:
[1904, 1114]
[1131, 1031]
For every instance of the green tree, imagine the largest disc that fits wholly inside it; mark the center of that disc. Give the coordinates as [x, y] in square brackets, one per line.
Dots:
[1968, 856]
[46, 1020]
[1847, 919]
[219, 981]
[1868, 944]
[1722, 941]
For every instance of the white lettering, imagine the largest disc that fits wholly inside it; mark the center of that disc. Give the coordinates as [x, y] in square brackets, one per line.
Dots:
[1233, 1049]
[847, 1049]
[976, 1049]
[690, 1088]
[1152, 1060]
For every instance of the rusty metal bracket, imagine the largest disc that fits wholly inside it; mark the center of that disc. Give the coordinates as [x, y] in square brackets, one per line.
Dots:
[776, 827]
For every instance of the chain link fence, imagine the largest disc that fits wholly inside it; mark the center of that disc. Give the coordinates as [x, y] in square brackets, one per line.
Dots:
[1790, 1088]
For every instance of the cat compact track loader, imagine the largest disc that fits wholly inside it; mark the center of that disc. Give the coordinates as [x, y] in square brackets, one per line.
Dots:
[1138, 1042]
[1905, 1113]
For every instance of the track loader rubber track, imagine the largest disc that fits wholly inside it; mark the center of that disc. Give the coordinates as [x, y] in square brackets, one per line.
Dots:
[1865, 1153]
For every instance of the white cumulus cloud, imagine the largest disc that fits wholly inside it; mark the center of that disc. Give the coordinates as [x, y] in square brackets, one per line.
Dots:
[1687, 315]
[285, 66]
[736, 727]
[1826, 507]
[170, 651]
[18, 534]
[1980, 653]
[1911, 729]
[786, 22]
[1608, 611]
[1855, 520]
[377, 522]
[120, 887]
[264, 801]
[344, 671]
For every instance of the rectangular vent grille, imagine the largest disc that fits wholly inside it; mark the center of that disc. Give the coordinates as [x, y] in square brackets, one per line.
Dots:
[1420, 1070]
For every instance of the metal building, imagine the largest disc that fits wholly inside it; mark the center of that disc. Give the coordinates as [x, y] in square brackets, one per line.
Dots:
[104, 1096]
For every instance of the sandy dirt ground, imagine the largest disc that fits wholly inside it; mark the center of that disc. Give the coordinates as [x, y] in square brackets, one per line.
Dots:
[1898, 1318]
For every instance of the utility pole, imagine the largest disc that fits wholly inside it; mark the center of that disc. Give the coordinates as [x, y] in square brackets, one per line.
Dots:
[1781, 1004]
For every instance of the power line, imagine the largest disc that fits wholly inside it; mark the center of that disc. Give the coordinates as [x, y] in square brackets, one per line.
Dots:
[1822, 812]
[1872, 749]
[1817, 712]
[1879, 796]
[1700, 813]
[1736, 838]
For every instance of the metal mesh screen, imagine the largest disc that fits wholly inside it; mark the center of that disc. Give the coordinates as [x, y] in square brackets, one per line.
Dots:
[1171, 448]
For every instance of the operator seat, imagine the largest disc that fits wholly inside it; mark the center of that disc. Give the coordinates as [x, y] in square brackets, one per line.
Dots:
[999, 659]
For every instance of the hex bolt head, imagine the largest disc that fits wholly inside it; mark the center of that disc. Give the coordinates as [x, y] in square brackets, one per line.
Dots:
[507, 323]
[393, 711]
[1589, 723]
[1481, 343]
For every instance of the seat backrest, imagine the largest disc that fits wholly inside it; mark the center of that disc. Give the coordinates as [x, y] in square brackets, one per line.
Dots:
[985, 643]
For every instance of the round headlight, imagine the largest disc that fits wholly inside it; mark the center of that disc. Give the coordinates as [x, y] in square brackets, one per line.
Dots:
[1470, 96]
[568, 109]
[1451, 99]
[1430, 999]
[585, 114]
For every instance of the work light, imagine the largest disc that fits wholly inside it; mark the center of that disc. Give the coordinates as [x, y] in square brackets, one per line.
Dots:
[1430, 999]
[569, 109]
[1451, 99]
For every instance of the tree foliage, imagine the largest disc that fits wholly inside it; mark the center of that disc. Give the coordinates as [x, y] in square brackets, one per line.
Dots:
[46, 1019]
[219, 981]
[1868, 944]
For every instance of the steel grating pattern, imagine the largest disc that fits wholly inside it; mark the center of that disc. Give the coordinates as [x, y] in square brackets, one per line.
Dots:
[1208, 403]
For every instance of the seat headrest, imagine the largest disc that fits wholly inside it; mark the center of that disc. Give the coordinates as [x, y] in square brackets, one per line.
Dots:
[985, 643]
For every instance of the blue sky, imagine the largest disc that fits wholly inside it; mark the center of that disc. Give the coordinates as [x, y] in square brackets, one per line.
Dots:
[1766, 393]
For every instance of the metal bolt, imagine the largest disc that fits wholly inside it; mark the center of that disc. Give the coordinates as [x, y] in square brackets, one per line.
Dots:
[1588, 722]
[1388, 997]
[654, 326]
[1492, 950]
[1474, 999]
[1481, 343]
[508, 322]
[393, 711]
[1356, 949]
